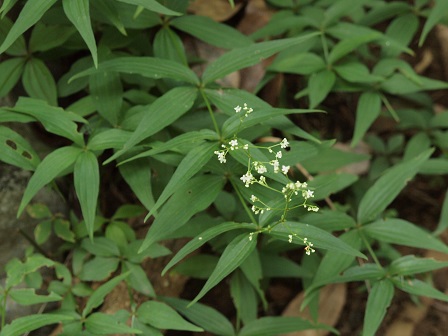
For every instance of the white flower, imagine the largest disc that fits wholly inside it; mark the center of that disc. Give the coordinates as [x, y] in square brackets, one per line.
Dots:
[221, 156]
[307, 194]
[250, 236]
[233, 144]
[253, 198]
[284, 143]
[237, 109]
[290, 238]
[276, 165]
[278, 155]
[285, 169]
[247, 179]
[261, 169]
[246, 146]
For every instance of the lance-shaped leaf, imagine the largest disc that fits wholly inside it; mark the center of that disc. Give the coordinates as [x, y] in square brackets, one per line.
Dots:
[107, 94]
[388, 186]
[233, 256]
[6, 6]
[161, 113]
[203, 238]
[189, 166]
[368, 109]
[57, 162]
[10, 72]
[211, 32]
[110, 138]
[420, 288]
[152, 5]
[379, 300]
[97, 298]
[436, 14]
[241, 58]
[150, 67]
[443, 222]
[111, 13]
[320, 85]
[39, 82]
[15, 150]
[410, 265]
[398, 231]
[30, 14]
[104, 324]
[190, 198]
[87, 185]
[29, 323]
[78, 12]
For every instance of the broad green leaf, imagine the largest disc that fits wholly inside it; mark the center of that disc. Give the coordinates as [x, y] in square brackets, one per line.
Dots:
[98, 269]
[97, 298]
[46, 37]
[39, 82]
[252, 270]
[320, 238]
[368, 109]
[244, 57]
[110, 138]
[152, 5]
[417, 144]
[402, 84]
[42, 231]
[6, 7]
[137, 174]
[199, 266]
[51, 166]
[101, 246]
[435, 15]
[410, 265]
[29, 323]
[162, 316]
[54, 119]
[159, 115]
[168, 45]
[17, 270]
[103, 324]
[128, 211]
[244, 297]
[403, 29]
[420, 288]
[206, 317]
[78, 12]
[190, 198]
[273, 326]
[347, 45]
[138, 279]
[443, 221]
[379, 300]
[303, 64]
[203, 238]
[384, 12]
[320, 85]
[28, 296]
[388, 186]
[87, 185]
[358, 273]
[211, 32]
[401, 232]
[329, 220]
[328, 184]
[188, 167]
[275, 266]
[10, 73]
[32, 11]
[106, 91]
[62, 230]
[111, 12]
[150, 67]
[356, 72]
[15, 150]
[233, 256]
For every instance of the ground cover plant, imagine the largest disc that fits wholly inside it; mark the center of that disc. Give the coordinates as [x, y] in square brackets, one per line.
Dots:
[249, 189]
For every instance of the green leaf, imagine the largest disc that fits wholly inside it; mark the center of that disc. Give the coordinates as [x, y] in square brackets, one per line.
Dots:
[320, 238]
[320, 85]
[190, 198]
[435, 16]
[153, 6]
[111, 12]
[110, 138]
[51, 166]
[39, 82]
[379, 300]
[97, 298]
[244, 57]
[398, 231]
[78, 12]
[87, 184]
[420, 288]
[98, 269]
[62, 230]
[162, 316]
[168, 45]
[199, 266]
[10, 73]
[388, 186]
[244, 297]
[233, 256]
[38, 211]
[326, 185]
[273, 326]
[368, 109]
[6, 7]
[42, 231]
[347, 45]
[402, 84]
[203, 238]
[101, 246]
[28, 296]
[302, 64]
[211, 32]
[138, 279]
[45, 37]
[103, 324]
[29, 323]
[206, 317]
[107, 94]
[402, 29]
[410, 265]
[329, 220]
[356, 73]
[150, 67]
[443, 221]
[15, 150]
[32, 11]
[188, 167]
[164, 111]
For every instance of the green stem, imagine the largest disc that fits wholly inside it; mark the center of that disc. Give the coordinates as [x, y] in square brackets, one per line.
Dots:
[209, 108]
[369, 248]
[324, 47]
[243, 202]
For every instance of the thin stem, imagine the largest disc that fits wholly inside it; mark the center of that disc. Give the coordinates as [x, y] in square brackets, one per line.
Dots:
[209, 108]
[310, 178]
[369, 248]
[243, 202]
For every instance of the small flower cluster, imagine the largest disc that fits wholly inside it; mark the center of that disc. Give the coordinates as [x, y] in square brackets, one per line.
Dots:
[308, 246]
[291, 189]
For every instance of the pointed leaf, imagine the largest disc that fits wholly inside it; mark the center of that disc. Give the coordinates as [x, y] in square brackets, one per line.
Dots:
[110, 138]
[51, 166]
[436, 14]
[110, 11]
[160, 114]
[15, 150]
[368, 109]
[46, 37]
[101, 246]
[29, 323]
[28, 296]
[32, 11]
[388, 186]
[103, 324]
[107, 94]
[87, 184]
[443, 221]
[78, 12]
[138, 279]
[320, 85]
[153, 6]
[233, 256]
[98, 269]
[10, 73]
[420, 288]
[398, 231]
[39, 82]
[349, 44]
[410, 265]
[244, 57]
[190, 198]
[379, 300]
